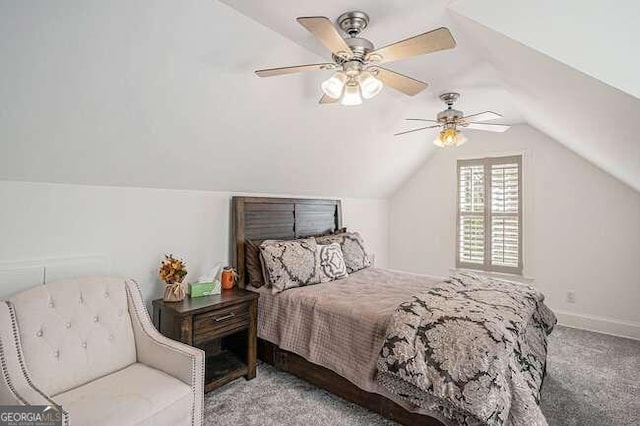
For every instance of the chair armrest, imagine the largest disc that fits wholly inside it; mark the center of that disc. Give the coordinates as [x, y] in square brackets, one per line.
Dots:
[181, 361]
[16, 386]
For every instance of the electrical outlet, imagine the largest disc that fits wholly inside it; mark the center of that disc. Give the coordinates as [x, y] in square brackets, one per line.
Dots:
[571, 296]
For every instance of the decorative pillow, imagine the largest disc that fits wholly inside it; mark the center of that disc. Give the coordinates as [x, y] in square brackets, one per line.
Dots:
[331, 261]
[353, 250]
[290, 264]
[253, 262]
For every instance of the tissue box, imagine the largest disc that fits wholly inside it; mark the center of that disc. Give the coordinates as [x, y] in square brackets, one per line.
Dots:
[204, 289]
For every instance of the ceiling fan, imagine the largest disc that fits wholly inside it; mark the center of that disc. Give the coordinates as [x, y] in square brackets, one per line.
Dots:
[451, 120]
[358, 72]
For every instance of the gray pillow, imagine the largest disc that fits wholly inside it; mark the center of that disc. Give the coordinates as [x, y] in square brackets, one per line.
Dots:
[353, 249]
[289, 264]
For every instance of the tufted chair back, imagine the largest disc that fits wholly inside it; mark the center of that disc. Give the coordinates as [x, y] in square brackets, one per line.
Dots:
[74, 331]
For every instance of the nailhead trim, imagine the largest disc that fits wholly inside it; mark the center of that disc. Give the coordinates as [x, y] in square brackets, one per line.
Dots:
[7, 377]
[23, 367]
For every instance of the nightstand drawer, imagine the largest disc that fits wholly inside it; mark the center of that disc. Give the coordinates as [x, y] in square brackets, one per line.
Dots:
[220, 322]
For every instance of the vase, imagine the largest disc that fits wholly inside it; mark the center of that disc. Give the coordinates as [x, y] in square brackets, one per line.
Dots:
[174, 292]
[228, 278]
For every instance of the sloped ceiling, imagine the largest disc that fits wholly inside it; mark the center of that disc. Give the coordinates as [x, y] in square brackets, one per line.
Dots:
[596, 37]
[162, 94]
[590, 117]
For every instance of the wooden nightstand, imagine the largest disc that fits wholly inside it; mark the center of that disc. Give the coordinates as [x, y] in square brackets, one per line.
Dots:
[223, 325]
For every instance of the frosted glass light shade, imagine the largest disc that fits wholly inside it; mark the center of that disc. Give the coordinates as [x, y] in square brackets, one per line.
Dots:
[351, 95]
[334, 85]
[450, 138]
[369, 85]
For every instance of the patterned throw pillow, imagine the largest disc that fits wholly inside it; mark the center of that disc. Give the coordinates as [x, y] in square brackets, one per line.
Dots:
[289, 264]
[353, 250]
[331, 262]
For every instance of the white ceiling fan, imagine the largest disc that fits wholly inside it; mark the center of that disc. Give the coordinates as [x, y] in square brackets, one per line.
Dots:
[358, 72]
[452, 120]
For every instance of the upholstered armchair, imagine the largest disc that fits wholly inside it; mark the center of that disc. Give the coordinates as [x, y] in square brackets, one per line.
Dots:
[88, 345]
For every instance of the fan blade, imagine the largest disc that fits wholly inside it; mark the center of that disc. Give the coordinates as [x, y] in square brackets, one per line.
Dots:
[415, 130]
[421, 119]
[488, 127]
[482, 116]
[270, 72]
[432, 41]
[402, 83]
[323, 30]
[327, 100]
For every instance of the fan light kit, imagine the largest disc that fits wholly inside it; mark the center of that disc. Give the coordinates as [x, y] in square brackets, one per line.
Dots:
[451, 120]
[450, 137]
[358, 74]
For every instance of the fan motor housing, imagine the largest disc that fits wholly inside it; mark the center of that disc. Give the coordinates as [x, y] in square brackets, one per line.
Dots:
[449, 115]
[359, 47]
[359, 44]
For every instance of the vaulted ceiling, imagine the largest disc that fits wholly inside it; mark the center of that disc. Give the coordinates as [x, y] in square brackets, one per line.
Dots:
[162, 94]
[571, 69]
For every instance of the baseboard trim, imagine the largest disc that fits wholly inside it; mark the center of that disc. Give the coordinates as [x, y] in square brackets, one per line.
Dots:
[614, 327]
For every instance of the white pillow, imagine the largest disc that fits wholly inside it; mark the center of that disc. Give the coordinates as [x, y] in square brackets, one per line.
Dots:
[331, 262]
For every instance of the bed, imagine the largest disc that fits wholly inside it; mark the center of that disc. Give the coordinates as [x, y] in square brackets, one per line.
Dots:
[332, 334]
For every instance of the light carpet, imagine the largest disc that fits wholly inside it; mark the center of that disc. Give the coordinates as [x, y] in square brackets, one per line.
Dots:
[592, 379]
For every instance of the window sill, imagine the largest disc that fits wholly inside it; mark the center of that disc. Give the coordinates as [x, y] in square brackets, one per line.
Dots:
[499, 275]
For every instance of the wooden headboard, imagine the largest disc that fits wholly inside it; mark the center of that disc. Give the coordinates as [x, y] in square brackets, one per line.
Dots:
[263, 218]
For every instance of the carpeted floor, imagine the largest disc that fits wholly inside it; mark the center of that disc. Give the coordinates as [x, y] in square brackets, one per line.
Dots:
[592, 379]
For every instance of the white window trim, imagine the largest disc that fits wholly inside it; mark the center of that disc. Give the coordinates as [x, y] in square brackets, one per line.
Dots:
[487, 162]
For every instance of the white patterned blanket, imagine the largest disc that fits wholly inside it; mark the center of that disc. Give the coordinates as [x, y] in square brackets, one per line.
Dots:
[477, 344]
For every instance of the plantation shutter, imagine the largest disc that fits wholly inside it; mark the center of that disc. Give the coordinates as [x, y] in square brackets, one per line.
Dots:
[489, 219]
[471, 236]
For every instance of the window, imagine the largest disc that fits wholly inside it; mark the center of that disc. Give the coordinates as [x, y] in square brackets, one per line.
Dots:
[489, 219]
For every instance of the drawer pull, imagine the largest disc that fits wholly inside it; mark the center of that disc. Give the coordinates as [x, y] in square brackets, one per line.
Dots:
[231, 315]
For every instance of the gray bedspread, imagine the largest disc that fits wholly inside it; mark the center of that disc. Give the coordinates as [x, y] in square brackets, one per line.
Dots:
[476, 344]
[341, 325]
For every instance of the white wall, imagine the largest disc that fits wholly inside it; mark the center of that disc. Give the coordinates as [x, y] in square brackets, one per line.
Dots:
[581, 227]
[134, 227]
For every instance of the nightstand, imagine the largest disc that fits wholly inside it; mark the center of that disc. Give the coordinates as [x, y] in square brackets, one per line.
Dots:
[223, 325]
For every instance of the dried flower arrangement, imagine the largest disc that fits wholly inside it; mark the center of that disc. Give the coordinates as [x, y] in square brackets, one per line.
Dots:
[172, 272]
